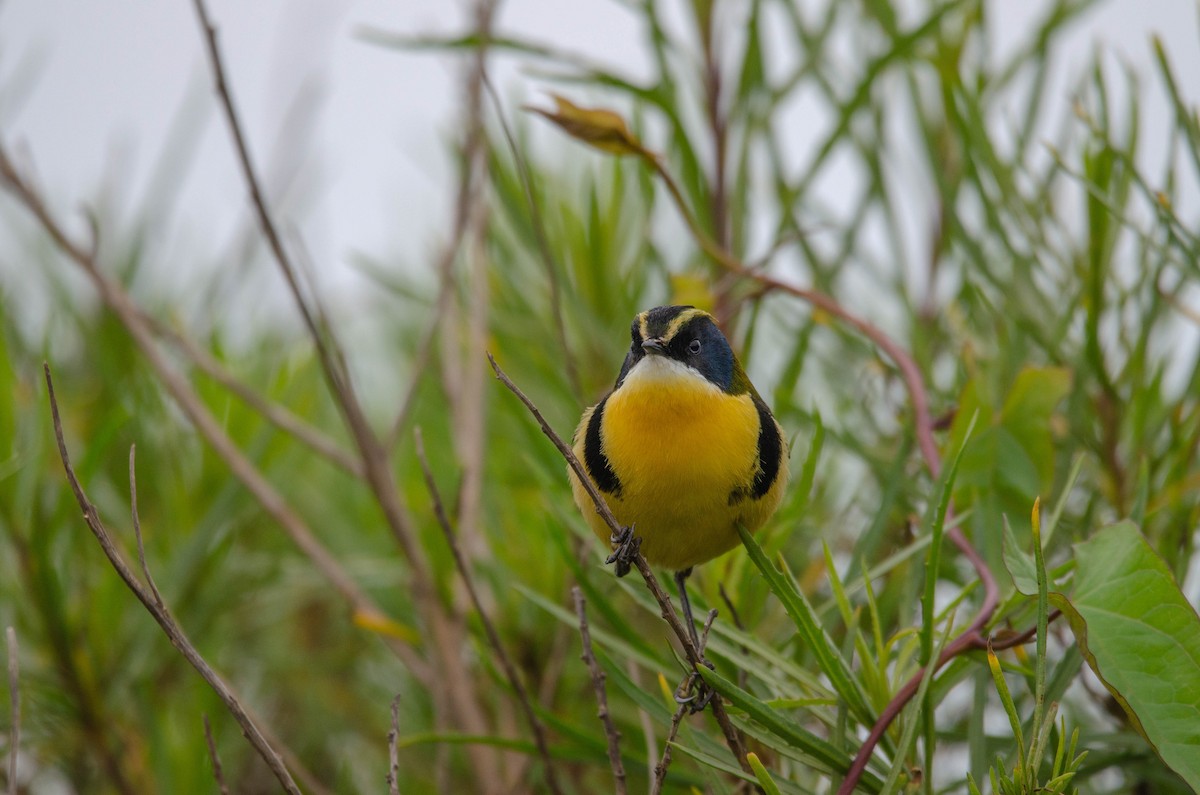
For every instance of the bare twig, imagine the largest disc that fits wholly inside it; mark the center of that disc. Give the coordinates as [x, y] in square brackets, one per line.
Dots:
[445, 630]
[14, 700]
[160, 614]
[393, 776]
[610, 730]
[718, 127]
[506, 663]
[693, 654]
[218, 773]
[258, 200]
[468, 401]
[277, 415]
[664, 761]
[137, 532]
[467, 189]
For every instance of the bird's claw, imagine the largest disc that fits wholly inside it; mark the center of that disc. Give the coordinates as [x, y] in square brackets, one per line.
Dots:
[699, 700]
[626, 547]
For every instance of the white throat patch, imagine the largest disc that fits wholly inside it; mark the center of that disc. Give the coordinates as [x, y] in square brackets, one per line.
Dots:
[657, 370]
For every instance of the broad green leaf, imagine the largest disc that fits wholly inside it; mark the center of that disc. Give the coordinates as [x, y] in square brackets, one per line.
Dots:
[1010, 457]
[1027, 410]
[1142, 638]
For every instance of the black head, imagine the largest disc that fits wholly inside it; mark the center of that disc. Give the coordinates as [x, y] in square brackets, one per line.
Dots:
[689, 336]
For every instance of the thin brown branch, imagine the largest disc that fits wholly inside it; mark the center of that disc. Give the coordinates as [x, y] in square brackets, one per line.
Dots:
[393, 776]
[664, 762]
[693, 654]
[137, 532]
[14, 700]
[724, 308]
[445, 630]
[963, 643]
[467, 188]
[467, 407]
[159, 612]
[272, 412]
[506, 663]
[598, 677]
[218, 773]
[258, 200]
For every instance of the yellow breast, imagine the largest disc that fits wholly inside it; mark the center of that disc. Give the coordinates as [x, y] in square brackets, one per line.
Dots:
[680, 448]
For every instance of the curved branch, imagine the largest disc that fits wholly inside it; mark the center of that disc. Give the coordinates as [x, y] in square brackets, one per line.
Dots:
[150, 599]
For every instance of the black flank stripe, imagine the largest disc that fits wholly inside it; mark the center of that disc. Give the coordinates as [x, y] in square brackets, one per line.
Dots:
[593, 457]
[770, 449]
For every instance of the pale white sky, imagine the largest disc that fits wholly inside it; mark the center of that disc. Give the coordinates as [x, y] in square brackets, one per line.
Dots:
[92, 89]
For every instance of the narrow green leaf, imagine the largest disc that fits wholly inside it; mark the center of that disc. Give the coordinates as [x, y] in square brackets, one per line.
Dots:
[821, 751]
[764, 778]
[813, 634]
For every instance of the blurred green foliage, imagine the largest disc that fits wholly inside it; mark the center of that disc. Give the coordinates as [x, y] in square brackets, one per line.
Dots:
[1042, 289]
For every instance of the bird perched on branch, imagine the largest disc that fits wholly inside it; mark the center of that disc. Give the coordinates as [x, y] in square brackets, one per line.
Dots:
[683, 449]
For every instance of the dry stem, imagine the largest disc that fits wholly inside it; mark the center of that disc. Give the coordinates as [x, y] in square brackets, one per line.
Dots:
[161, 615]
[598, 677]
[444, 628]
[393, 776]
[664, 762]
[14, 699]
[218, 772]
[506, 663]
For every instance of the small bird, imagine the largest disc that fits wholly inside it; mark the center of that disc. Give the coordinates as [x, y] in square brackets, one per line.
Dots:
[683, 449]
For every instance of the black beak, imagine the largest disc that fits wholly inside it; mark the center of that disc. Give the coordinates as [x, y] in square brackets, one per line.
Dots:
[654, 346]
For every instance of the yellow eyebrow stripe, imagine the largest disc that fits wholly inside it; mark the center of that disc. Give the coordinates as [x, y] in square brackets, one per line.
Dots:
[680, 320]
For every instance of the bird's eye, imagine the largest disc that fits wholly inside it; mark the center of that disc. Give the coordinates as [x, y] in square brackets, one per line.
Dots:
[694, 347]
